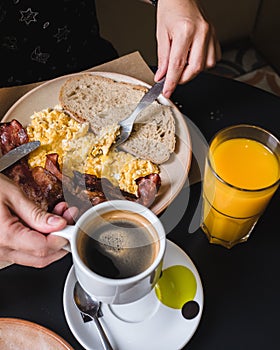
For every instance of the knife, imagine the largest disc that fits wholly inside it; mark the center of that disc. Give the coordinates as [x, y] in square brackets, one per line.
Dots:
[126, 124]
[17, 153]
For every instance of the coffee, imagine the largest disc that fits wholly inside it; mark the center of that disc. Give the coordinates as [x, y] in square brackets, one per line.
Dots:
[121, 245]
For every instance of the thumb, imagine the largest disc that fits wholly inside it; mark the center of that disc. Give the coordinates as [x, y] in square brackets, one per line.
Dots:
[37, 218]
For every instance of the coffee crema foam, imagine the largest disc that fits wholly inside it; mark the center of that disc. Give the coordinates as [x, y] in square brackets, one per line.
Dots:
[122, 244]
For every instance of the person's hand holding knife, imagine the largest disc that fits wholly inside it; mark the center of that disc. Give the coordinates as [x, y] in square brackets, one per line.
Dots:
[187, 43]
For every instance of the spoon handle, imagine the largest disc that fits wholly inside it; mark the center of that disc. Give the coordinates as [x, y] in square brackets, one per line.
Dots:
[103, 337]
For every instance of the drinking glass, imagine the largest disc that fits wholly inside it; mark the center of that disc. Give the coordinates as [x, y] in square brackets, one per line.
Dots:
[242, 172]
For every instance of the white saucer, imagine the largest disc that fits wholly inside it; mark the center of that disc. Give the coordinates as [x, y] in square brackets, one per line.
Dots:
[147, 324]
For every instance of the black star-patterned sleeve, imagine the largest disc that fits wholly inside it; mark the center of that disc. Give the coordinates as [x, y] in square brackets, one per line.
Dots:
[40, 40]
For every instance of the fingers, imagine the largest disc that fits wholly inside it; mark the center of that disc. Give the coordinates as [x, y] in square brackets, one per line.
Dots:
[187, 61]
[187, 43]
[17, 236]
[20, 244]
[22, 258]
[179, 60]
[30, 213]
[185, 68]
[22, 224]
[218, 50]
[163, 54]
[213, 53]
[70, 214]
[199, 53]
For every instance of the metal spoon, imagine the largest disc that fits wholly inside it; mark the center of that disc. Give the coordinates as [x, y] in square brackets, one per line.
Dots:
[127, 123]
[90, 306]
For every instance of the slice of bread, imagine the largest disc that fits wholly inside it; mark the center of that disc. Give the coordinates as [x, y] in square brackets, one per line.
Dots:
[103, 101]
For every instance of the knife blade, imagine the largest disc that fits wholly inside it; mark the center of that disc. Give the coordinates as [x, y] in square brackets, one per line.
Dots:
[126, 124]
[17, 153]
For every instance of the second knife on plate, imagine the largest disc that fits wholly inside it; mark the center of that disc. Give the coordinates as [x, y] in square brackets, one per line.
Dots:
[17, 153]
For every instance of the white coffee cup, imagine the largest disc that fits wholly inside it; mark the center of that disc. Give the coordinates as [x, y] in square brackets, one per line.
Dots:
[108, 286]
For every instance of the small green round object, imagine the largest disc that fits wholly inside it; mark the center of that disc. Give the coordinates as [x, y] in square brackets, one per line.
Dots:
[176, 286]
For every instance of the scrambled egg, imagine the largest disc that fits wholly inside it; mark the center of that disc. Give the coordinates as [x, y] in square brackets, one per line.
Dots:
[79, 149]
[55, 129]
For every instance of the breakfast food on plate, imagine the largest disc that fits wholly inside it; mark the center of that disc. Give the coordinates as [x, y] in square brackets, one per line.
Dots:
[46, 185]
[77, 160]
[103, 101]
[40, 185]
[78, 149]
[54, 129]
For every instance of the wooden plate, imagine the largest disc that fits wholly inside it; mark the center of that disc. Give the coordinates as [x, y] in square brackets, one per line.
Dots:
[22, 335]
[174, 172]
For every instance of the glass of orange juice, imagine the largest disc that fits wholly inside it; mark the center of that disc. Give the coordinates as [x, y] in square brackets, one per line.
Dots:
[242, 172]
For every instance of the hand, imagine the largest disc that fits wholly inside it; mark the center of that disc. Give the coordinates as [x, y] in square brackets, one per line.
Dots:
[186, 43]
[24, 228]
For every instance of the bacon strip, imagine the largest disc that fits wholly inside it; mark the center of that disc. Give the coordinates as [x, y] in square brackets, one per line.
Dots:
[39, 184]
[148, 187]
[22, 176]
[50, 186]
[12, 134]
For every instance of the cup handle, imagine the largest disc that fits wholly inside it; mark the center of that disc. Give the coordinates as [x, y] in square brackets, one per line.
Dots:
[67, 233]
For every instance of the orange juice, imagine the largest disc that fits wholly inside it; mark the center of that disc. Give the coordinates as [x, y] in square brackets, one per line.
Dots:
[241, 176]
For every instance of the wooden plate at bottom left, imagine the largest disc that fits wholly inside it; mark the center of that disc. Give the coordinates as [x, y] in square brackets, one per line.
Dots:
[21, 335]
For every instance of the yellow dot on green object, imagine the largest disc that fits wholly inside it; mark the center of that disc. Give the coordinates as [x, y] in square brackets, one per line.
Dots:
[176, 286]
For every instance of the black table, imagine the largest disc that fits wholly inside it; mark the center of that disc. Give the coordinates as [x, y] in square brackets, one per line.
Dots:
[241, 285]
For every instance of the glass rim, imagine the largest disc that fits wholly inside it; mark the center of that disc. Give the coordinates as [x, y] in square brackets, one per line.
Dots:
[228, 183]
